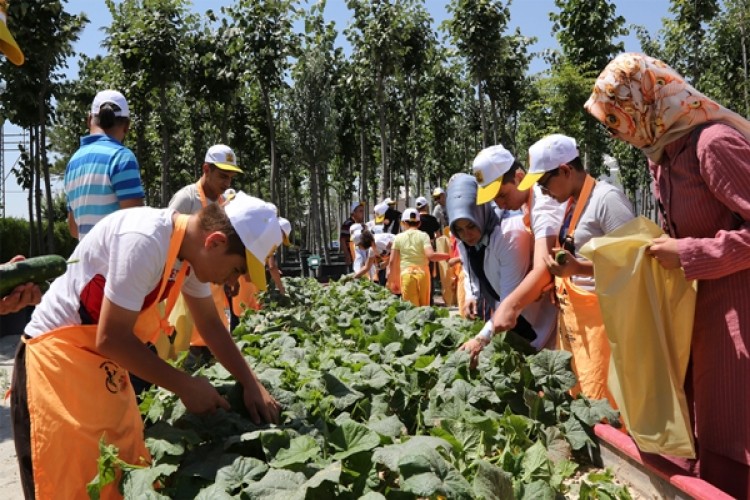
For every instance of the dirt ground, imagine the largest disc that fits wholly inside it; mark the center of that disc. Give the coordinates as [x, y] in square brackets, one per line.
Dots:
[10, 485]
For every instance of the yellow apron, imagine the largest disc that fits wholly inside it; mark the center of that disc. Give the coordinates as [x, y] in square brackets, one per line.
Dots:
[447, 277]
[181, 318]
[581, 327]
[415, 285]
[77, 396]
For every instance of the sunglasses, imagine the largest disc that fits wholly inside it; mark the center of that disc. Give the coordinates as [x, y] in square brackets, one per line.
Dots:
[544, 180]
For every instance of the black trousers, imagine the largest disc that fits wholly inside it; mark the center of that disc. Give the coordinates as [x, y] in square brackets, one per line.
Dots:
[20, 421]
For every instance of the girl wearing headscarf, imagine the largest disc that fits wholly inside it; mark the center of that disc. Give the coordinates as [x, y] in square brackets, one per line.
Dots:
[495, 253]
[699, 156]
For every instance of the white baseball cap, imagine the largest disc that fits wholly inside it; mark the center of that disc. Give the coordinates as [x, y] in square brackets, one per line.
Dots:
[547, 154]
[489, 167]
[389, 201]
[421, 202]
[410, 215]
[355, 227]
[259, 230]
[286, 230]
[110, 97]
[223, 157]
[380, 209]
[437, 192]
[354, 206]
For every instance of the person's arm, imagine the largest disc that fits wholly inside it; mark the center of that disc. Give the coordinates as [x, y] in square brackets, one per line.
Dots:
[261, 405]
[434, 256]
[394, 273]
[344, 245]
[24, 295]
[72, 226]
[530, 289]
[275, 273]
[115, 340]
[568, 266]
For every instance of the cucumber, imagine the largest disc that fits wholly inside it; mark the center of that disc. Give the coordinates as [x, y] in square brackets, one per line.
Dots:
[561, 257]
[31, 270]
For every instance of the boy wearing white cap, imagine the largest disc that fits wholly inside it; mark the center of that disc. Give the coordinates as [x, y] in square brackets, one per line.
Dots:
[592, 209]
[411, 251]
[103, 175]
[71, 384]
[219, 169]
[392, 223]
[356, 216]
[499, 176]
[438, 211]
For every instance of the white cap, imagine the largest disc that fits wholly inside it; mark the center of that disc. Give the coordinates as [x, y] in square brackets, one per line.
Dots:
[377, 229]
[389, 201]
[421, 202]
[286, 230]
[356, 236]
[489, 167]
[355, 227]
[437, 192]
[111, 97]
[259, 230]
[380, 209]
[547, 154]
[223, 157]
[410, 215]
[354, 206]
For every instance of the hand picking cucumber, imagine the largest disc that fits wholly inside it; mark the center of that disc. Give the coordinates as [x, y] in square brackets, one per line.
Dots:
[561, 257]
[31, 270]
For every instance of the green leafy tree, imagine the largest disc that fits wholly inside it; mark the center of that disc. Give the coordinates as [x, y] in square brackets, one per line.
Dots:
[263, 43]
[29, 90]
[685, 36]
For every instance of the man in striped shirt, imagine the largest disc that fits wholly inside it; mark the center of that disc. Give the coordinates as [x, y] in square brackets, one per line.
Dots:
[103, 175]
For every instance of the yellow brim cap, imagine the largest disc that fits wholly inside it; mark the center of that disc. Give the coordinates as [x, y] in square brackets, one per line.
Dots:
[379, 218]
[529, 180]
[285, 240]
[9, 46]
[256, 271]
[488, 192]
[229, 167]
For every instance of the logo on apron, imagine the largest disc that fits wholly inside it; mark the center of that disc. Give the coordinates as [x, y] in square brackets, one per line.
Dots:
[115, 380]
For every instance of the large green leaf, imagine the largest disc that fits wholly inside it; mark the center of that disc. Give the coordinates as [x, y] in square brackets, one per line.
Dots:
[301, 449]
[428, 474]
[277, 484]
[352, 437]
[344, 396]
[240, 473]
[491, 482]
[390, 455]
[552, 369]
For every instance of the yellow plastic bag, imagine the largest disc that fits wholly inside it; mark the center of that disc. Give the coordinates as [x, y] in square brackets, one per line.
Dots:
[648, 314]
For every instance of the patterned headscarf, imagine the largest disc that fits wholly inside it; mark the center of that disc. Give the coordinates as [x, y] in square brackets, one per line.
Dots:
[643, 101]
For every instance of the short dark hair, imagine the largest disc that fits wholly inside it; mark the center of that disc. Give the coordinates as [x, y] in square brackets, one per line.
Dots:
[367, 239]
[510, 175]
[576, 163]
[212, 218]
[106, 118]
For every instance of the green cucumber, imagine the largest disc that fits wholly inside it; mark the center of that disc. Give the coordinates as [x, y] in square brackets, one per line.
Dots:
[561, 257]
[31, 270]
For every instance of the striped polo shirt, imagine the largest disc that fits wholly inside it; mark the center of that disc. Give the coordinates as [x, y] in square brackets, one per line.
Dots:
[100, 174]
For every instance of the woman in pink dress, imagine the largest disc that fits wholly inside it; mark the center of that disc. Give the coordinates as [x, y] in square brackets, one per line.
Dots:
[699, 156]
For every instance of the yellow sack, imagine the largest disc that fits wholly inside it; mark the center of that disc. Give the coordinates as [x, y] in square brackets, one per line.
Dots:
[648, 314]
[447, 284]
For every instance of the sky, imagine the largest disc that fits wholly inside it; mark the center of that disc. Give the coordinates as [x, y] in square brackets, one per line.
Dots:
[532, 16]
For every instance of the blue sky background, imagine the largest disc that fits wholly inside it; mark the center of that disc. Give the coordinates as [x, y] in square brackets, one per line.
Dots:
[532, 16]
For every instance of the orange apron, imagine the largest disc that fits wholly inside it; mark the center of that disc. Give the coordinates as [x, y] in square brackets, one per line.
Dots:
[581, 327]
[246, 296]
[217, 292]
[77, 397]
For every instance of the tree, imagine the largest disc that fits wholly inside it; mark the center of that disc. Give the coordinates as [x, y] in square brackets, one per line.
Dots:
[29, 90]
[148, 37]
[263, 43]
[685, 34]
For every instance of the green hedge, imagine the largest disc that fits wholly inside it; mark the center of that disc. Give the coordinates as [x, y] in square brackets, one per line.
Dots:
[14, 238]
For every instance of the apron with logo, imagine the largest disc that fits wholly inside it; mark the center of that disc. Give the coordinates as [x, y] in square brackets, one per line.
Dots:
[76, 397]
[580, 324]
[186, 332]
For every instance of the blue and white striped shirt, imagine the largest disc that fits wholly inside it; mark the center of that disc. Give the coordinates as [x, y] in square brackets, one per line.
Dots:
[100, 174]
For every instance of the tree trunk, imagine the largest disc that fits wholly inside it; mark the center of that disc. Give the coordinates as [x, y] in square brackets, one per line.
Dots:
[166, 153]
[482, 119]
[272, 144]
[363, 177]
[384, 170]
[38, 192]
[48, 191]
[141, 154]
[30, 198]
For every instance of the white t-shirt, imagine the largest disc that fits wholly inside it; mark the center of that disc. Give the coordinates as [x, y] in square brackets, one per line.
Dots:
[123, 258]
[546, 214]
[361, 256]
[607, 209]
[382, 242]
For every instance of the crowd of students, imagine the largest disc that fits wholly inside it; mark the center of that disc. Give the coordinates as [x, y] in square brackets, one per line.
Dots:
[514, 251]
